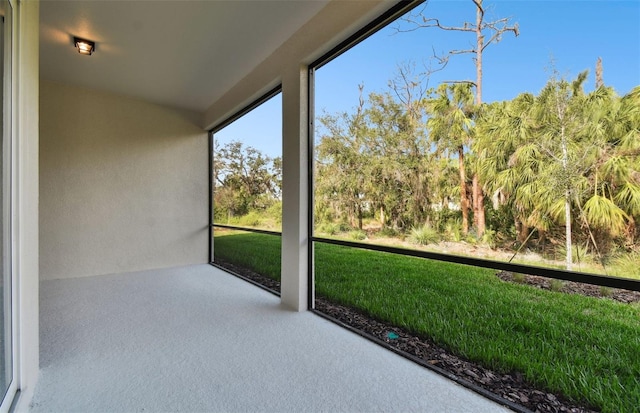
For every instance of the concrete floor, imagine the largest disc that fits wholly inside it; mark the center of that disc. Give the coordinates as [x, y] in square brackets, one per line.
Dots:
[195, 339]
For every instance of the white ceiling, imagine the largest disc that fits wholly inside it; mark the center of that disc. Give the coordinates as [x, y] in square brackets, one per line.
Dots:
[183, 54]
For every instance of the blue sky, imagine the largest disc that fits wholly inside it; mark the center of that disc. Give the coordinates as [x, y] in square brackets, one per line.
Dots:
[572, 34]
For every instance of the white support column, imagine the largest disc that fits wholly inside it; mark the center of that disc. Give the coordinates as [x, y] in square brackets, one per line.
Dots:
[295, 189]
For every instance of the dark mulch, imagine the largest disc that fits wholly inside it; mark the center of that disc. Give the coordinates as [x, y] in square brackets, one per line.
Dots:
[511, 387]
[256, 278]
[570, 287]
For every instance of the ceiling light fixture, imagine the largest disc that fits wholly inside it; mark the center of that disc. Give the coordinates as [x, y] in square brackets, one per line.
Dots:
[84, 46]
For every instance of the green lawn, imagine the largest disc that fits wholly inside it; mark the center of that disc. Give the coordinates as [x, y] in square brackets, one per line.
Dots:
[257, 252]
[585, 348]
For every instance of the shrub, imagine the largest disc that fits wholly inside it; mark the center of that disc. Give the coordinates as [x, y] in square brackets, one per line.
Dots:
[344, 227]
[357, 235]
[627, 265]
[424, 235]
[556, 285]
[252, 219]
[489, 238]
[579, 254]
[605, 291]
[453, 230]
[518, 278]
[330, 228]
[388, 232]
[275, 212]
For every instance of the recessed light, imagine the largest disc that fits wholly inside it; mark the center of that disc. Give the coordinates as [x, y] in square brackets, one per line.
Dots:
[84, 46]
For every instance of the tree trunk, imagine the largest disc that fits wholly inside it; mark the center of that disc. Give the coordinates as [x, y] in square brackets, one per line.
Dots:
[479, 46]
[481, 217]
[478, 195]
[522, 230]
[474, 199]
[464, 200]
[567, 200]
[567, 230]
[478, 206]
[599, 79]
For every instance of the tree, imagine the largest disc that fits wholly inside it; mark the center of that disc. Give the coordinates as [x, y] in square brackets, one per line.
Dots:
[410, 138]
[565, 156]
[451, 109]
[614, 179]
[486, 33]
[399, 161]
[507, 161]
[245, 179]
[342, 164]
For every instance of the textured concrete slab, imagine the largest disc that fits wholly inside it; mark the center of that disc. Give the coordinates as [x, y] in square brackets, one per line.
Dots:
[195, 339]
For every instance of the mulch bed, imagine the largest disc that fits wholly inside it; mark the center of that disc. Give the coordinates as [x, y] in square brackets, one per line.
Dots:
[512, 387]
[570, 287]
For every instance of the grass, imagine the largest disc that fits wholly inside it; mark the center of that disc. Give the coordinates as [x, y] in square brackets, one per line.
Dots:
[257, 252]
[585, 348]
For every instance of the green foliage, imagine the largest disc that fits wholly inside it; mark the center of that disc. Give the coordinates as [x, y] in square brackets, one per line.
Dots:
[388, 232]
[579, 253]
[275, 212]
[605, 291]
[502, 220]
[564, 153]
[373, 161]
[471, 238]
[489, 238]
[453, 230]
[451, 128]
[424, 235]
[245, 180]
[603, 213]
[627, 265]
[266, 219]
[556, 285]
[330, 228]
[252, 219]
[519, 278]
[358, 235]
[565, 160]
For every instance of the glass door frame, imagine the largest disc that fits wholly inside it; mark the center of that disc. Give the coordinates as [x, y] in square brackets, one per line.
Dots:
[10, 103]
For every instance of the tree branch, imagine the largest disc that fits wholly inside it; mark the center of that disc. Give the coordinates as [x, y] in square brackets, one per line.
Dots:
[470, 82]
[498, 32]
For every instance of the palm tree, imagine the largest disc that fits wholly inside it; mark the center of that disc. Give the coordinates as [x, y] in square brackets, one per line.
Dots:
[506, 160]
[450, 127]
[564, 156]
[614, 198]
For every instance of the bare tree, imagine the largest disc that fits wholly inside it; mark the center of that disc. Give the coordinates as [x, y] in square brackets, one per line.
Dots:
[486, 33]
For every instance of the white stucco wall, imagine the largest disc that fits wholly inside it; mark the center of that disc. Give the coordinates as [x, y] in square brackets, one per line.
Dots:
[123, 184]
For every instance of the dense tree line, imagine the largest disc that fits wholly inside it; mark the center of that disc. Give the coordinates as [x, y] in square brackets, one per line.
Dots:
[564, 163]
[561, 167]
[565, 159]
